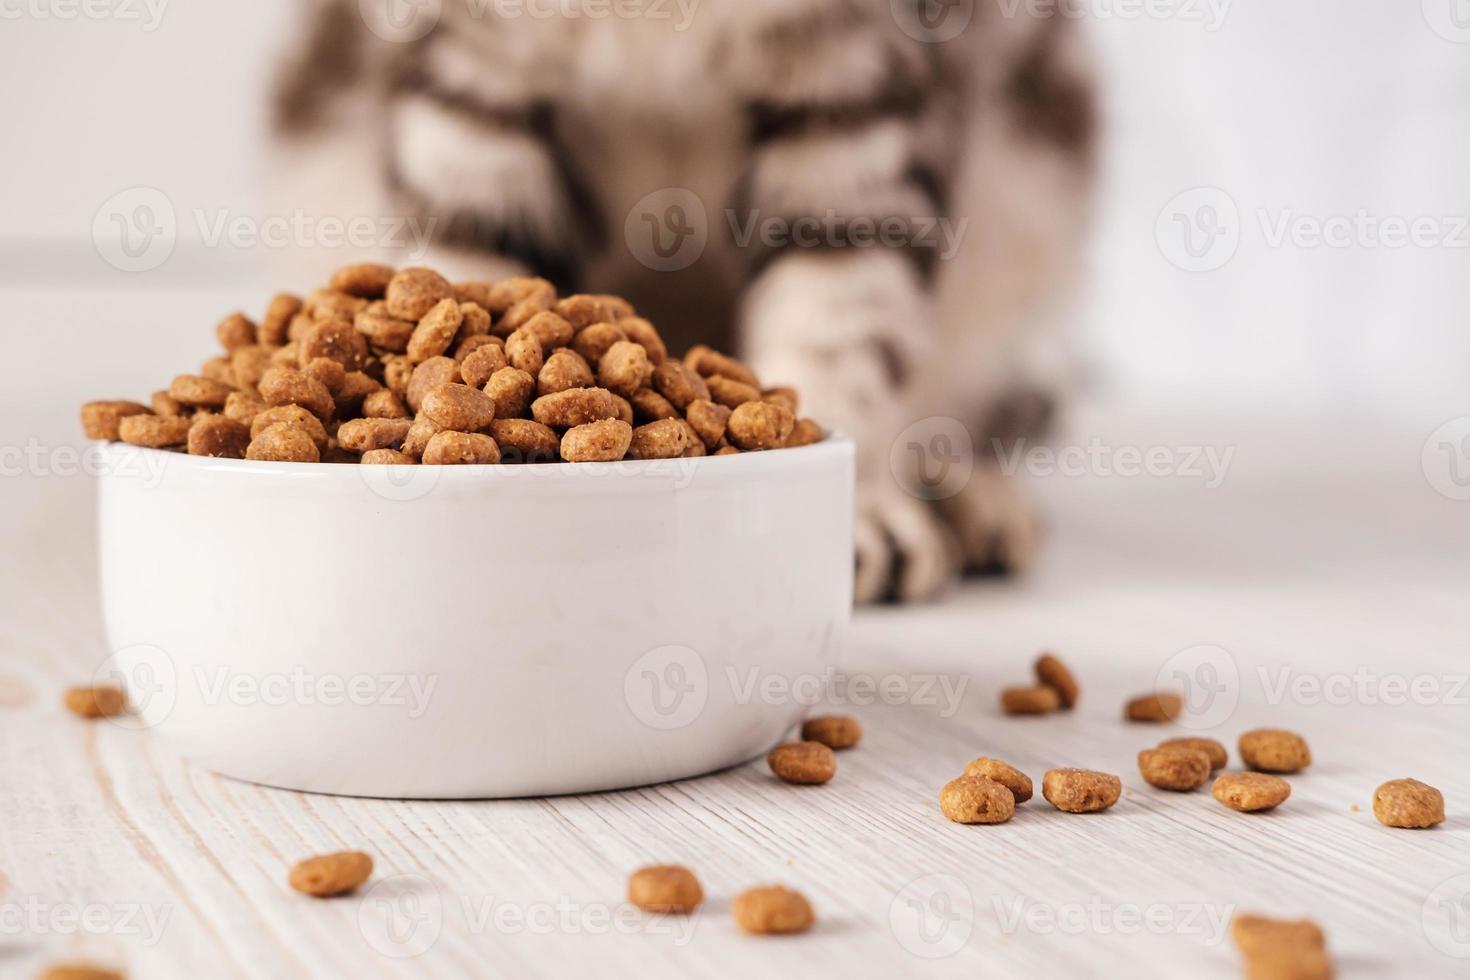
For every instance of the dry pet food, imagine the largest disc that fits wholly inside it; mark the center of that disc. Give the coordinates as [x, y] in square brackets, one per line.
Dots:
[102, 701]
[773, 910]
[581, 378]
[331, 874]
[1281, 949]
[1179, 769]
[78, 971]
[1274, 750]
[1007, 775]
[1250, 791]
[1210, 747]
[666, 888]
[976, 799]
[803, 762]
[1034, 700]
[1080, 790]
[833, 731]
[1156, 707]
[1408, 803]
[1054, 674]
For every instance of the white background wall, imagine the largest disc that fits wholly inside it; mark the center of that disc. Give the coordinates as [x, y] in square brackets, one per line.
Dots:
[1320, 109]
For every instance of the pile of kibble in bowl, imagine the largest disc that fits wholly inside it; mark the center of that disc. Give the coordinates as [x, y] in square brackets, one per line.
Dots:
[386, 366]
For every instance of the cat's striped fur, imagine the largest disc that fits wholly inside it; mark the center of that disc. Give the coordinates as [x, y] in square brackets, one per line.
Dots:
[530, 139]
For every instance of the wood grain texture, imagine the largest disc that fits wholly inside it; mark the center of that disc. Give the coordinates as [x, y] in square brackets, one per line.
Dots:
[183, 873]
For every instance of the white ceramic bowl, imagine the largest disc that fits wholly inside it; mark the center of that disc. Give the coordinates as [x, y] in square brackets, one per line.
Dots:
[477, 631]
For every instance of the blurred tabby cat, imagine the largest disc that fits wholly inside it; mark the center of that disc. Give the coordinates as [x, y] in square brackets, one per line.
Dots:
[529, 131]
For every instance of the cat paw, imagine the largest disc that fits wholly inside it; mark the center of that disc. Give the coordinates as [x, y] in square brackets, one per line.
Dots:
[904, 552]
[994, 522]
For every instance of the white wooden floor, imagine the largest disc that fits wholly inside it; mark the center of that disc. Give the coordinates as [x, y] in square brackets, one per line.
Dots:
[1344, 569]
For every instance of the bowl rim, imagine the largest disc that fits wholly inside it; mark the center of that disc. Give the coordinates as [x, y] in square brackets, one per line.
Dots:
[834, 446]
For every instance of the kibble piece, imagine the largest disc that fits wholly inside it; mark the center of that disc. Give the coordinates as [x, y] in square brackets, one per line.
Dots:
[461, 448]
[1255, 935]
[726, 450]
[155, 431]
[805, 763]
[391, 457]
[235, 331]
[512, 390]
[1159, 706]
[596, 442]
[976, 799]
[1037, 699]
[1274, 750]
[419, 434]
[1250, 791]
[523, 350]
[1408, 803]
[414, 292]
[624, 408]
[368, 280]
[218, 436]
[300, 323]
[474, 322]
[642, 333]
[468, 345]
[782, 395]
[364, 435]
[759, 425]
[517, 289]
[664, 439]
[354, 390]
[665, 888]
[696, 444]
[1080, 790]
[525, 441]
[772, 910]
[650, 406]
[804, 433]
[284, 444]
[1210, 747]
[709, 420]
[286, 356]
[397, 372]
[79, 971]
[1290, 963]
[331, 874]
[475, 291]
[575, 406]
[563, 369]
[383, 330]
[287, 386]
[101, 701]
[480, 364]
[331, 304]
[218, 369]
[249, 364]
[550, 330]
[335, 339]
[383, 404]
[428, 376]
[1008, 776]
[733, 394]
[101, 420]
[436, 331]
[523, 312]
[833, 731]
[1054, 674]
[1177, 769]
[679, 384]
[459, 407]
[624, 368]
[278, 316]
[594, 341]
[290, 415]
[711, 363]
[190, 389]
[582, 310]
[163, 403]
